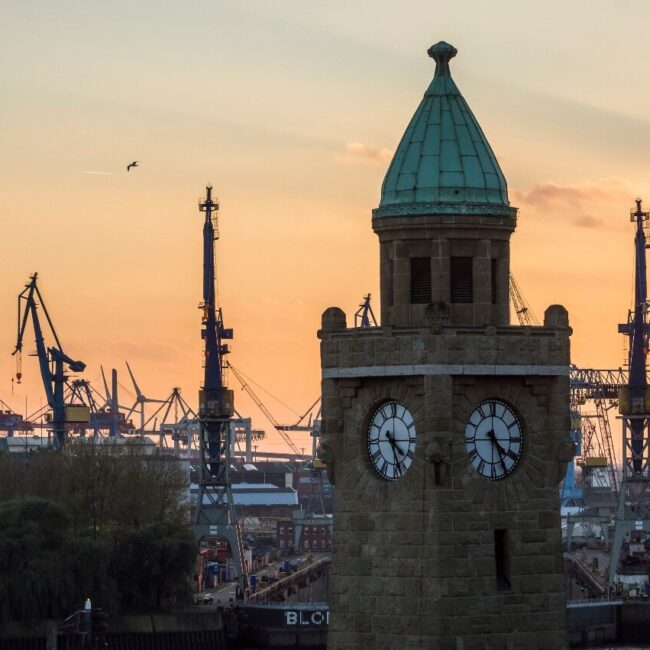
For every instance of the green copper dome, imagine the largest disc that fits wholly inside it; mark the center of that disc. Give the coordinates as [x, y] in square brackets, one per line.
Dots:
[444, 163]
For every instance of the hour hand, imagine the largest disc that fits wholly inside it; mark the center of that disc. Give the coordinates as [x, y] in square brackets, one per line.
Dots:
[493, 438]
[393, 443]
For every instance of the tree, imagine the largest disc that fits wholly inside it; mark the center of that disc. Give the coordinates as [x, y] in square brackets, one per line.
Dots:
[152, 564]
[93, 520]
[45, 568]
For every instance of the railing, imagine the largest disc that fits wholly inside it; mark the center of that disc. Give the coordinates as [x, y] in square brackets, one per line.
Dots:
[595, 602]
[288, 580]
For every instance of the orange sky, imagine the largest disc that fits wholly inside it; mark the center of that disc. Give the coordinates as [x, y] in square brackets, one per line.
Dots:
[291, 109]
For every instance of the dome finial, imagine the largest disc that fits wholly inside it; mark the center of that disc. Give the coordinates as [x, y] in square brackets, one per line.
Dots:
[442, 53]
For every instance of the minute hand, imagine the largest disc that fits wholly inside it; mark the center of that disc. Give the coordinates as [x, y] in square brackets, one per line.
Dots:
[502, 451]
[498, 444]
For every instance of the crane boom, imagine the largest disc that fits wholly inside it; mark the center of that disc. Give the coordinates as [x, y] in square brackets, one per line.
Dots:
[524, 313]
[258, 402]
[303, 427]
[52, 360]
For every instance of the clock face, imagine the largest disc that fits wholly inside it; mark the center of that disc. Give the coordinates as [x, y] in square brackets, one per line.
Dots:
[391, 440]
[493, 439]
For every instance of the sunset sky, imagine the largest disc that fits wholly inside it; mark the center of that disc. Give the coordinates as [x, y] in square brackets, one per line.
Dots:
[292, 109]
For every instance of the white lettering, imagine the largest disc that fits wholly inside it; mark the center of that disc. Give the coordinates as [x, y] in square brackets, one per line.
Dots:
[306, 618]
[291, 618]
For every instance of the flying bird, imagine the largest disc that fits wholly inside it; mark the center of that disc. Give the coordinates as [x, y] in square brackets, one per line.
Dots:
[133, 164]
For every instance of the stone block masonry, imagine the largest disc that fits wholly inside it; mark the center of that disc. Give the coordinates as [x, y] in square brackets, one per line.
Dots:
[414, 560]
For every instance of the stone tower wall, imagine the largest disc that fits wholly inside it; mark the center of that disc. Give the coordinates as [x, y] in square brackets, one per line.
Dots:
[439, 238]
[414, 560]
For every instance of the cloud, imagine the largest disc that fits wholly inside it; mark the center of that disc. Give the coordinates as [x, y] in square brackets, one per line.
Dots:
[551, 195]
[587, 221]
[592, 204]
[357, 153]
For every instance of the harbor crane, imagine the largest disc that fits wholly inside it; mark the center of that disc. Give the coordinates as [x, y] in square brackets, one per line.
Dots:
[173, 417]
[634, 405]
[590, 432]
[312, 414]
[140, 400]
[214, 514]
[53, 361]
[364, 316]
[312, 426]
[525, 314]
[10, 421]
[260, 405]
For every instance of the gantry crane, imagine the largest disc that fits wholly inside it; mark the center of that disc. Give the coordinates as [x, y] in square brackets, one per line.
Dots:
[590, 432]
[181, 426]
[214, 514]
[11, 422]
[312, 415]
[140, 400]
[53, 360]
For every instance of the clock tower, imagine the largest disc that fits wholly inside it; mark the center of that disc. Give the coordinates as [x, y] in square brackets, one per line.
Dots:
[445, 429]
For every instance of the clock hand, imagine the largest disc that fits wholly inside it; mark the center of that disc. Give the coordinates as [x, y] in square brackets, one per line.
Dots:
[500, 449]
[398, 464]
[393, 443]
[393, 446]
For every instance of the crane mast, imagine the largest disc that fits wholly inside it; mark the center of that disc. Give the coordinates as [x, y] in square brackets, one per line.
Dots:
[52, 361]
[637, 331]
[214, 512]
[634, 405]
[215, 402]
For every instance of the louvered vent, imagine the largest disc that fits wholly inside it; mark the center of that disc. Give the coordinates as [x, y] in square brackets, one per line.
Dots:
[462, 280]
[420, 280]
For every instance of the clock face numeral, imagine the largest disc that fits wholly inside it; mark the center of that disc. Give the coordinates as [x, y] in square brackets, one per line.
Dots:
[391, 440]
[493, 439]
